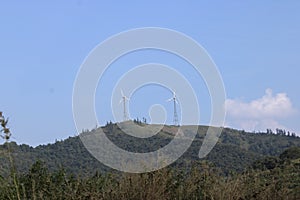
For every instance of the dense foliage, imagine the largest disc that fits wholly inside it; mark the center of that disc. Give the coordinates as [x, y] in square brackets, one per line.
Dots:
[234, 152]
[241, 166]
[203, 181]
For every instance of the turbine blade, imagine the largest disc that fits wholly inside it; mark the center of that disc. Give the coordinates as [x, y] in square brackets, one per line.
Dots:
[169, 99]
[122, 93]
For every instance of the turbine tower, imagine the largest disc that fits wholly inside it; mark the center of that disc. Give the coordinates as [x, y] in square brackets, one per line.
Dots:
[175, 116]
[124, 99]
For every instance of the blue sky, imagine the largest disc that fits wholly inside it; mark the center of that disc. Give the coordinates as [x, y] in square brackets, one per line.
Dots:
[255, 45]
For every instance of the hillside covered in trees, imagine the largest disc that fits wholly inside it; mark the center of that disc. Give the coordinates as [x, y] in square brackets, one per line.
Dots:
[234, 152]
[276, 177]
[241, 166]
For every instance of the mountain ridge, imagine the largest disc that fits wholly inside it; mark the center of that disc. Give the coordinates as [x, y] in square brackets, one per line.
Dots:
[234, 151]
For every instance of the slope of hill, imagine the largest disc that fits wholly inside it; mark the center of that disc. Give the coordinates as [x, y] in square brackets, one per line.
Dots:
[268, 178]
[234, 152]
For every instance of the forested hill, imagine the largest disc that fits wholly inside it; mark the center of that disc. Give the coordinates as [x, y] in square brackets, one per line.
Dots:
[234, 152]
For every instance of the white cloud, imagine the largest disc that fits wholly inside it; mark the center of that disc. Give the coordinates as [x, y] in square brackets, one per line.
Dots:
[260, 114]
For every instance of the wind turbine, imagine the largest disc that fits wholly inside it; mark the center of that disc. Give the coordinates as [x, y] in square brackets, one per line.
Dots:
[175, 116]
[124, 99]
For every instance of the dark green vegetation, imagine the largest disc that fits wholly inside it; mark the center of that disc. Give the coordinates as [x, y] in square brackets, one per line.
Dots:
[234, 152]
[203, 181]
[241, 166]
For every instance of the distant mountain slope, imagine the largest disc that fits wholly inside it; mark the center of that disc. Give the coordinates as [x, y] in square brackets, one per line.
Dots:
[235, 150]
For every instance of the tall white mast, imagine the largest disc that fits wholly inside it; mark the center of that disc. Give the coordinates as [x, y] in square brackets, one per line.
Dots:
[175, 115]
[124, 99]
